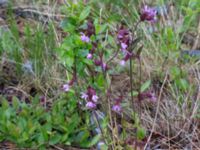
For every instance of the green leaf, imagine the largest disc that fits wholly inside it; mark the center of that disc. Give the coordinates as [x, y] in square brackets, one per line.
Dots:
[69, 61]
[4, 104]
[94, 140]
[175, 72]
[182, 84]
[84, 14]
[2, 138]
[145, 86]
[68, 24]
[44, 135]
[100, 81]
[87, 61]
[65, 137]
[90, 143]
[82, 136]
[15, 102]
[141, 133]
[100, 28]
[55, 139]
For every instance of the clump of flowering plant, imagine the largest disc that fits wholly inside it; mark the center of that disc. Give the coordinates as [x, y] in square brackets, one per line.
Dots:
[148, 14]
[85, 37]
[89, 54]
[90, 97]
[66, 86]
[124, 40]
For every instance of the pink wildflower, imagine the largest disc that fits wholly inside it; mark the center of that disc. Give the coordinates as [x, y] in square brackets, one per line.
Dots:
[84, 96]
[152, 97]
[66, 87]
[117, 108]
[89, 56]
[85, 38]
[90, 105]
[95, 98]
[148, 14]
[122, 62]
[104, 66]
[124, 46]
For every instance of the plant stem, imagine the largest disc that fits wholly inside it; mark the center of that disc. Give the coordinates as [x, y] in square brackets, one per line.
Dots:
[130, 67]
[140, 78]
[131, 82]
[140, 81]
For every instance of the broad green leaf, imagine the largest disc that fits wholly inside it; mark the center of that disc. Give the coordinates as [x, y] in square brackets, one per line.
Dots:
[68, 24]
[182, 84]
[84, 14]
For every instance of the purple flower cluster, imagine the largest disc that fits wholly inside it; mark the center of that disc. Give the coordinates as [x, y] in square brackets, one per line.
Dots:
[66, 87]
[99, 62]
[117, 108]
[90, 97]
[148, 14]
[124, 39]
[85, 37]
[117, 105]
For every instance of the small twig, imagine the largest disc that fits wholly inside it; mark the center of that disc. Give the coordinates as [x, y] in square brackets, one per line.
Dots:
[56, 147]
